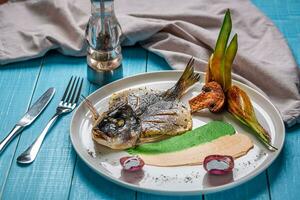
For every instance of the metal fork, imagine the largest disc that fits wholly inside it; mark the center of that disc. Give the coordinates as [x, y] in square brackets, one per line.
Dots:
[66, 105]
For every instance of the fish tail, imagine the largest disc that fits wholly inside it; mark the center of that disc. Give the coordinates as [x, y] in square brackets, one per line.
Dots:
[187, 79]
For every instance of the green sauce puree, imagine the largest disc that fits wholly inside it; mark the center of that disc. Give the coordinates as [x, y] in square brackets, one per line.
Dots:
[200, 135]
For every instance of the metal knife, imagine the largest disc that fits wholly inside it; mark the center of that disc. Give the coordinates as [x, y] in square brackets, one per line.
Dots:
[33, 112]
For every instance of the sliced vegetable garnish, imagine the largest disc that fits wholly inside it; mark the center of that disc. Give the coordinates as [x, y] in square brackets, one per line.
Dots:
[218, 164]
[217, 61]
[240, 106]
[229, 57]
[219, 70]
[132, 163]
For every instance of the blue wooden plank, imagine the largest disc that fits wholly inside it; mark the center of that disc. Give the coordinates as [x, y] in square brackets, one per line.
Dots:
[134, 61]
[86, 183]
[283, 174]
[254, 189]
[283, 179]
[284, 183]
[49, 177]
[145, 196]
[286, 16]
[17, 82]
[156, 63]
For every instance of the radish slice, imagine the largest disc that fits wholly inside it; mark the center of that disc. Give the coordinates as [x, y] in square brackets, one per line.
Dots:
[132, 163]
[218, 164]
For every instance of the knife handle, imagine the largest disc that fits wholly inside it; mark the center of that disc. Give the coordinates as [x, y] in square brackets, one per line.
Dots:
[13, 133]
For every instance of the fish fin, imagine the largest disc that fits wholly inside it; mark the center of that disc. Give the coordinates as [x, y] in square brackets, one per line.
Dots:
[187, 79]
[153, 139]
[90, 106]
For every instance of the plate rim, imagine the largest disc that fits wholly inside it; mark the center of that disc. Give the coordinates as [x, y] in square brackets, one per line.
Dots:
[214, 189]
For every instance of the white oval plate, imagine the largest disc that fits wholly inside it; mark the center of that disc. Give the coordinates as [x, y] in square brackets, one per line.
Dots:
[184, 180]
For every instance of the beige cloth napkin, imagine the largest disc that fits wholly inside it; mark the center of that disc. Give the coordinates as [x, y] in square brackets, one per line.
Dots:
[173, 29]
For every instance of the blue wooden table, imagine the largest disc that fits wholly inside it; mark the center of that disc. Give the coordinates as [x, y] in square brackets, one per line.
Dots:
[58, 173]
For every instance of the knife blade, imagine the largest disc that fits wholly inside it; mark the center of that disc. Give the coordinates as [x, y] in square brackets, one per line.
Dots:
[33, 112]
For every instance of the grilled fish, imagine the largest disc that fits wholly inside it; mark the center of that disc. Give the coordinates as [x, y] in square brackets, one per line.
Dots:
[142, 115]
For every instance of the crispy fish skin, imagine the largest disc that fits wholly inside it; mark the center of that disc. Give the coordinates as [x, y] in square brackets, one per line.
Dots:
[138, 98]
[166, 117]
[157, 115]
[143, 115]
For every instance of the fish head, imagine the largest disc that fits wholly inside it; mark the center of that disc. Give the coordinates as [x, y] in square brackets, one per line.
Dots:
[119, 128]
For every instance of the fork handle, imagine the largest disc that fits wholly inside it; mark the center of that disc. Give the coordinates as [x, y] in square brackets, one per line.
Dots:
[29, 155]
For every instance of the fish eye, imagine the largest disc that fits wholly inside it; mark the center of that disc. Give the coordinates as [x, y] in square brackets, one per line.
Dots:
[117, 121]
[120, 122]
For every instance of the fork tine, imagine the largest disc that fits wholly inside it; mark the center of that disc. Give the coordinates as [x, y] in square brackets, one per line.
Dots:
[79, 91]
[76, 90]
[67, 89]
[68, 97]
[72, 95]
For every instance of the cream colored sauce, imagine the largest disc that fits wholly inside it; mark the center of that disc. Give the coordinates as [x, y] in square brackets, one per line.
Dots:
[235, 145]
